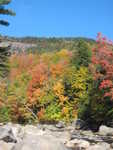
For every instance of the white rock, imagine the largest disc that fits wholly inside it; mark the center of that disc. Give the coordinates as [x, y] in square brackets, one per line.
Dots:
[6, 146]
[104, 130]
[40, 143]
[33, 130]
[78, 143]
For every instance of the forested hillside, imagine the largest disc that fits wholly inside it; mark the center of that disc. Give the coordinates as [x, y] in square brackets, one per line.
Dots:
[43, 44]
[70, 80]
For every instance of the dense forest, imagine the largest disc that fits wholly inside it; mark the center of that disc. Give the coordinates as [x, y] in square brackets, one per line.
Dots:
[61, 84]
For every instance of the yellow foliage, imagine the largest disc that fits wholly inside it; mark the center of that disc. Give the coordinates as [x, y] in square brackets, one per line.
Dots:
[58, 88]
[65, 110]
[59, 91]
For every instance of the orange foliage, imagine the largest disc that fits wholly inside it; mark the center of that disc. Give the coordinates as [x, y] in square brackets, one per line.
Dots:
[39, 77]
[57, 69]
[40, 114]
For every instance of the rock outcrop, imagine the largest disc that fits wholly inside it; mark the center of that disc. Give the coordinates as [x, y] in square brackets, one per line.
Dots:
[54, 137]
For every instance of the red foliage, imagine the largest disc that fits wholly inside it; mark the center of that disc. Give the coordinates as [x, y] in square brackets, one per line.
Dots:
[102, 63]
[106, 84]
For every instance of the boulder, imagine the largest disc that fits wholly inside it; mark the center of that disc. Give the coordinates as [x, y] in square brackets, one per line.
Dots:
[6, 134]
[60, 124]
[106, 131]
[17, 130]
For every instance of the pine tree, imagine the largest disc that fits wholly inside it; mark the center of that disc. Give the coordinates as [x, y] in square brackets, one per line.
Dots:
[4, 67]
[4, 49]
[4, 11]
[82, 55]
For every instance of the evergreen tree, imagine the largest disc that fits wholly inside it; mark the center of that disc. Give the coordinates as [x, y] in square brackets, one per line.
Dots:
[4, 67]
[4, 49]
[4, 11]
[82, 55]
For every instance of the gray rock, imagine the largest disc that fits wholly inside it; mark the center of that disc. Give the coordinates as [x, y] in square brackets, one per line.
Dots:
[40, 143]
[104, 130]
[79, 124]
[90, 137]
[51, 128]
[17, 131]
[6, 134]
[100, 146]
[60, 124]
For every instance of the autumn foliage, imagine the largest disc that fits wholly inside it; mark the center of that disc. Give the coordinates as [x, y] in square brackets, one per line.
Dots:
[102, 65]
[61, 85]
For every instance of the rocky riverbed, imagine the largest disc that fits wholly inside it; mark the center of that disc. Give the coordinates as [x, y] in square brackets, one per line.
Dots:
[54, 137]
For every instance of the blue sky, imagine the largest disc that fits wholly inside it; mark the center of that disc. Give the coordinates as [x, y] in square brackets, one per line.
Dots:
[60, 18]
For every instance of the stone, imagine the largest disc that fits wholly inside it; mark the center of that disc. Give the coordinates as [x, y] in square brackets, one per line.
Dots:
[100, 146]
[80, 144]
[51, 127]
[61, 136]
[6, 146]
[60, 124]
[106, 131]
[79, 124]
[40, 143]
[6, 134]
[33, 130]
[70, 128]
[17, 130]
[4, 44]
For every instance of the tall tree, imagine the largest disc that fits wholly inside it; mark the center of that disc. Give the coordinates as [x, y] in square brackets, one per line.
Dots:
[4, 49]
[82, 55]
[4, 11]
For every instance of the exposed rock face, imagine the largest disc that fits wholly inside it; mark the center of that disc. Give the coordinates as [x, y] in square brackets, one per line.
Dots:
[17, 46]
[54, 137]
[40, 143]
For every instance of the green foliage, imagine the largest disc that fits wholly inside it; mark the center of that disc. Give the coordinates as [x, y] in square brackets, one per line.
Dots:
[82, 55]
[53, 112]
[97, 111]
[4, 65]
[5, 114]
[17, 98]
[99, 107]
[3, 2]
